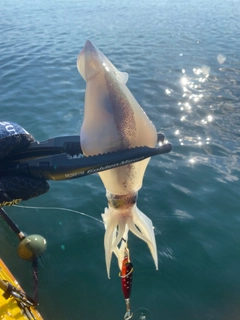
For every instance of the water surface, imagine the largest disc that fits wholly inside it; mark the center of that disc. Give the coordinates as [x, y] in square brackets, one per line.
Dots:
[182, 58]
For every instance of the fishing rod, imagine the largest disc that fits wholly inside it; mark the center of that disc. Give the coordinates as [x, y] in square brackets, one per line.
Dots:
[31, 247]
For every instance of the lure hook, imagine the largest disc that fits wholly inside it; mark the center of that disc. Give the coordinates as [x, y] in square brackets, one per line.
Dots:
[128, 314]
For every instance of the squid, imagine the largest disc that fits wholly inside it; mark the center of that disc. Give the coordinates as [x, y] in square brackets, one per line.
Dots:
[113, 120]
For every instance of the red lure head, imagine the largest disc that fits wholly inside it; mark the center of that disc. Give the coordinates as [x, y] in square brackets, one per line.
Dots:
[126, 276]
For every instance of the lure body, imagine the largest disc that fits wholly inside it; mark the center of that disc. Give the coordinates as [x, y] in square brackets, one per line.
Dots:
[113, 120]
[127, 276]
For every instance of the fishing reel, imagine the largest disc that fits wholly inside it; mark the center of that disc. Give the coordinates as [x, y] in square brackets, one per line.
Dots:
[31, 246]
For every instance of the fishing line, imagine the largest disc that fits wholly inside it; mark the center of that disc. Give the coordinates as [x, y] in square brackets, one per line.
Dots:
[58, 208]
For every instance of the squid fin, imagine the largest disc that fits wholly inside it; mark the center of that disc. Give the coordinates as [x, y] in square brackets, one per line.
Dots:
[122, 77]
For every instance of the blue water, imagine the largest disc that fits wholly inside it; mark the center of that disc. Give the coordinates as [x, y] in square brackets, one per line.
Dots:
[182, 58]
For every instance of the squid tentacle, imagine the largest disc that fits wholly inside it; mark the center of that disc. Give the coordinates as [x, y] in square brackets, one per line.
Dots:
[146, 233]
[117, 225]
[108, 241]
[115, 228]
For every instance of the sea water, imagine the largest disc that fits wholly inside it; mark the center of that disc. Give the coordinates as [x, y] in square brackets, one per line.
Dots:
[182, 58]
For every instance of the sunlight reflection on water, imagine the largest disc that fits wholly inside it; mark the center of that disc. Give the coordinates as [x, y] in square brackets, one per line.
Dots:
[190, 103]
[199, 120]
